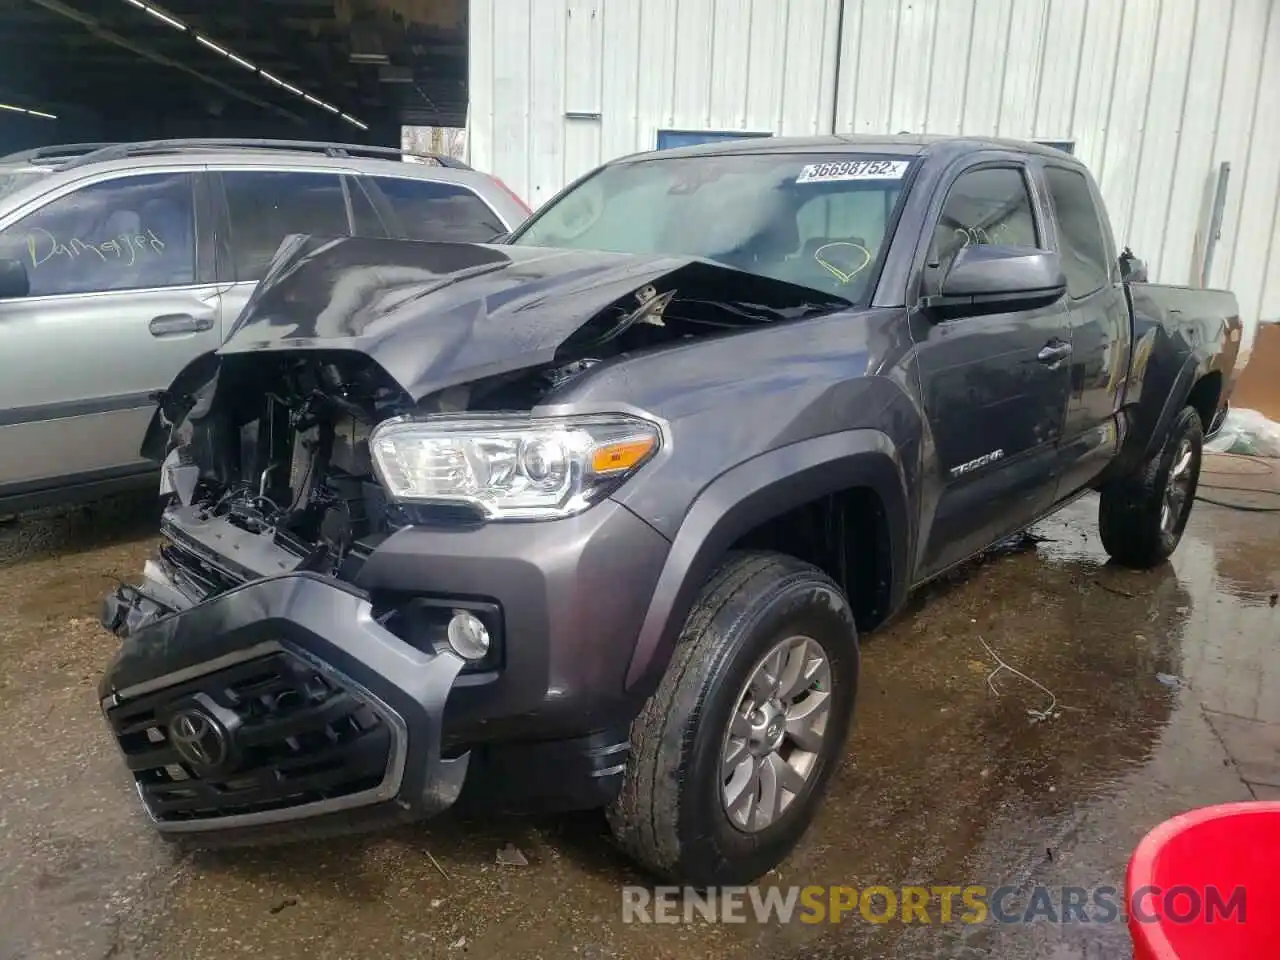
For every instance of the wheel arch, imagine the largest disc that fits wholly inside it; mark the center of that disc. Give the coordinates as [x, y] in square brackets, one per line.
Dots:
[750, 495]
[1192, 372]
[1205, 395]
[1167, 381]
[175, 400]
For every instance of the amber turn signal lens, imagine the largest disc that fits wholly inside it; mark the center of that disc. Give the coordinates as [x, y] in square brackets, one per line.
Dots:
[622, 455]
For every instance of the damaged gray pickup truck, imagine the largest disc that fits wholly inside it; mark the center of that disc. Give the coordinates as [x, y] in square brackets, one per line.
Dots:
[593, 517]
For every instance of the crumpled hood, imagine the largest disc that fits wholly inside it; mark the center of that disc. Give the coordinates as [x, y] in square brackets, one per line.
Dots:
[434, 315]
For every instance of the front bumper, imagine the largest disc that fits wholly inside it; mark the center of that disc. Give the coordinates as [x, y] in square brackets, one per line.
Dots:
[279, 702]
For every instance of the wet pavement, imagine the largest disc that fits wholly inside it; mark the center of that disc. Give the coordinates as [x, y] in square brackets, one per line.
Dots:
[1160, 690]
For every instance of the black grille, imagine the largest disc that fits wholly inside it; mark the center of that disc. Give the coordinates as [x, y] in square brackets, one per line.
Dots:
[295, 737]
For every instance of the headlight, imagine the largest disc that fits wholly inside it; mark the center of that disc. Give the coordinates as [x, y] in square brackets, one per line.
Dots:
[510, 467]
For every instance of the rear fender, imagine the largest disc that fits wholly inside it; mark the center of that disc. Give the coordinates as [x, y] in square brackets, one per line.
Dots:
[750, 494]
[1165, 371]
[1175, 400]
[1150, 418]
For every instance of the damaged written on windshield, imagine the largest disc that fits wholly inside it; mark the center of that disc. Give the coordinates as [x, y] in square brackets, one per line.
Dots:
[820, 221]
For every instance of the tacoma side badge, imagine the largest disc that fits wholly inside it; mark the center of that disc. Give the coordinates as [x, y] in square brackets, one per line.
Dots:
[982, 461]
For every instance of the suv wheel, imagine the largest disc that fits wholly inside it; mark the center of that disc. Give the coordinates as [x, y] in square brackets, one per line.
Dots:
[733, 752]
[1141, 517]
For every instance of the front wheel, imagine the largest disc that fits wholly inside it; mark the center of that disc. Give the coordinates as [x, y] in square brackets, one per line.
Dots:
[732, 754]
[1141, 517]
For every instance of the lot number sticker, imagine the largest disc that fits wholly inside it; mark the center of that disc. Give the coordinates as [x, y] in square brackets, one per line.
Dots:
[853, 170]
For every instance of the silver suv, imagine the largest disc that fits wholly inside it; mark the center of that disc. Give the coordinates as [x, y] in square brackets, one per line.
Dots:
[122, 263]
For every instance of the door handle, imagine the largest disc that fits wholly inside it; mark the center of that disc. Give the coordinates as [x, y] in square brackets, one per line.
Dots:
[1054, 352]
[171, 323]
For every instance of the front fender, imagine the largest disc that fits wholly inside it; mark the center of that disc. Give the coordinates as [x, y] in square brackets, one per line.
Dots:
[750, 494]
[190, 393]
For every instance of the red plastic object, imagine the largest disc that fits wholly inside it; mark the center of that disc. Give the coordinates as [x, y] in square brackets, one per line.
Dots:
[1207, 857]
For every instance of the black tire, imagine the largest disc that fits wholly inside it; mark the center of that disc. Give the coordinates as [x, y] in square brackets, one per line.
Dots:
[1130, 510]
[669, 815]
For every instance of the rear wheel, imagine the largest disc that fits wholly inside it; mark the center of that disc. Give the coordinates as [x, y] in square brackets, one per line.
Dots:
[1141, 517]
[732, 754]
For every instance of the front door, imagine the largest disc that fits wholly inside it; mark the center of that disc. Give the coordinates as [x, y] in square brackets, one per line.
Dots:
[115, 310]
[994, 386]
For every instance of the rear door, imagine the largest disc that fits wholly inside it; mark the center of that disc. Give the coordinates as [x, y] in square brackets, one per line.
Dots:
[119, 303]
[262, 206]
[994, 385]
[420, 209]
[1100, 335]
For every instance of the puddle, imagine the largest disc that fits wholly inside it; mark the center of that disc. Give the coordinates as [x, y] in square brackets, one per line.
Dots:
[946, 781]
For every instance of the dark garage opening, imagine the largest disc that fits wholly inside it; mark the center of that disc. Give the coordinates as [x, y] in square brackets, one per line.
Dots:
[340, 70]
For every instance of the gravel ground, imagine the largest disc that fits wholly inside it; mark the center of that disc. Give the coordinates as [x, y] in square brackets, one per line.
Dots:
[945, 782]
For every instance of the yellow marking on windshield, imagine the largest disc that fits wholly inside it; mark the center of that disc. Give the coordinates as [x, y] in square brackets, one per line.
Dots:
[842, 275]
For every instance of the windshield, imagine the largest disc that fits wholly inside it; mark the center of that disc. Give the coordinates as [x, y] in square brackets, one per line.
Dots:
[11, 180]
[819, 221]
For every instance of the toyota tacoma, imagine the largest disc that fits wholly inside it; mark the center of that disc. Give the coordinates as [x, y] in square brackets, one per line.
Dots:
[593, 516]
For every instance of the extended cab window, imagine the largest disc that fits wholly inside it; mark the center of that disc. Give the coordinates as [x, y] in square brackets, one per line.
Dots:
[430, 210]
[266, 206]
[125, 234]
[817, 221]
[988, 206]
[1084, 252]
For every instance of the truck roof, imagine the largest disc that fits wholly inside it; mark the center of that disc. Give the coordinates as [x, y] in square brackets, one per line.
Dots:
[901, 144]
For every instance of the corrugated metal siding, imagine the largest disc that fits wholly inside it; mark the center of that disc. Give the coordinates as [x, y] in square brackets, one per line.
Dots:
[1154, 94]
[557, 86]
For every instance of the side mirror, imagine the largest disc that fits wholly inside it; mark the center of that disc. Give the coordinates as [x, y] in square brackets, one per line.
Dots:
[14, 281]
[990, 279]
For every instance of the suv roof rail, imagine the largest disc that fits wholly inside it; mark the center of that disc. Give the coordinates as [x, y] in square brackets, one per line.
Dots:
[118, 151]
[55, 152]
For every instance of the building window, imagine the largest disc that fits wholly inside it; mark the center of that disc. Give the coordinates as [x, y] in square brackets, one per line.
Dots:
[688, 138]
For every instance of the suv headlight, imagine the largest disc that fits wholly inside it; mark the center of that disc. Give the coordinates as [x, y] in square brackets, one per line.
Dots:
[510, 467]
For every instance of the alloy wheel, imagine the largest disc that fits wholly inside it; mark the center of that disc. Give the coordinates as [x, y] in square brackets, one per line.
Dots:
[1177, 491]
[776, 733]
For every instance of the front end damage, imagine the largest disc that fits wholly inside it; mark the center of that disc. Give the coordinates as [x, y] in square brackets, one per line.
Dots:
[276, 701]
[256, 683]
[265, 676]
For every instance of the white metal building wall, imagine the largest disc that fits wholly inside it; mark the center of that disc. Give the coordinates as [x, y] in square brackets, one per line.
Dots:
[1153, 93]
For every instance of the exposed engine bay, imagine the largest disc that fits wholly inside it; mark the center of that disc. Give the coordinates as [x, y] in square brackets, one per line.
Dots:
[277, 448]
[270, 468]
[266, 451]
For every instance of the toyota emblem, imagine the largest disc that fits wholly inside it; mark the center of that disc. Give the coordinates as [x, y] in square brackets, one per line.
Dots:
[198, 739]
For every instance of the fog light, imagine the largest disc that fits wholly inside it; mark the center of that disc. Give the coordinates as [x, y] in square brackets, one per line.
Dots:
[468, 636]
